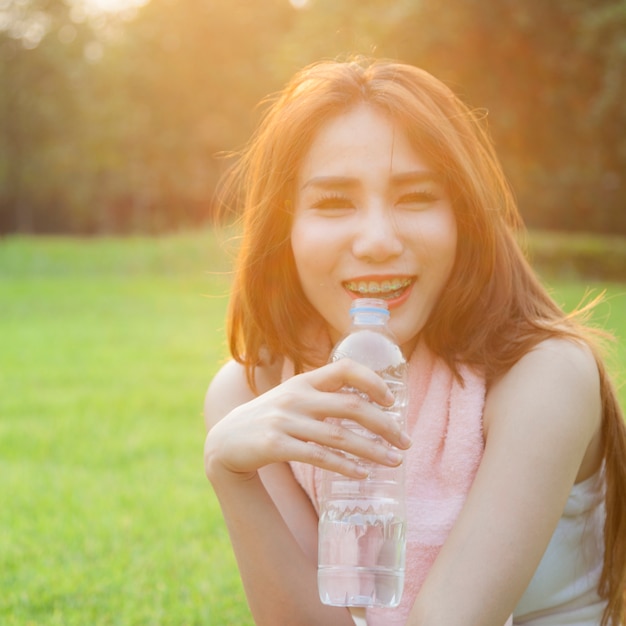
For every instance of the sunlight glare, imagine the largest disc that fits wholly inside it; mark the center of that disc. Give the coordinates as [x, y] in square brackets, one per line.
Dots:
[111, 6]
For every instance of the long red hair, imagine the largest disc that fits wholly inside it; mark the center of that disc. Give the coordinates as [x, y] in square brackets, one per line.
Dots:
[492, 311]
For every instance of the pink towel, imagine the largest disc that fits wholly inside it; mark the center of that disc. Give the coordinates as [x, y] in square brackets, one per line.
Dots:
[445, 423]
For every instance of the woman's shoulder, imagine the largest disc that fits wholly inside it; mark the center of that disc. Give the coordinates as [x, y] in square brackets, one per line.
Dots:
[571, 360]
[230, 387]
[552, 391]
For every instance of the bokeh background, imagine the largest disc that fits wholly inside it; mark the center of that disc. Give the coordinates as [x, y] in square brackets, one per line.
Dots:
[117, 118]
[113, 115]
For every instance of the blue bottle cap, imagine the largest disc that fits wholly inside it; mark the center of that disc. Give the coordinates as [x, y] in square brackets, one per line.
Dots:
[369, 305]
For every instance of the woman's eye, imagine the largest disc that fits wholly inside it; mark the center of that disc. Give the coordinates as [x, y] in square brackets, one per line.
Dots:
[417, 198]
[333, 202]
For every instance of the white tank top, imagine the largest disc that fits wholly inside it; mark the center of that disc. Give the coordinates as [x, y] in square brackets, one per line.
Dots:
[563, 590]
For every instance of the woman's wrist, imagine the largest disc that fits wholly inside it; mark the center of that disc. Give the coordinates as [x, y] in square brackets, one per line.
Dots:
[218, 472]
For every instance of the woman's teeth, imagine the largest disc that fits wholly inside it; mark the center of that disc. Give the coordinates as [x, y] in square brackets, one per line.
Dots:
[383, 289]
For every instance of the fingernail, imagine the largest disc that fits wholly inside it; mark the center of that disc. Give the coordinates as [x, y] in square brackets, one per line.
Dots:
[405, 440]
[394, 457]
[390, 398]
[362, 471]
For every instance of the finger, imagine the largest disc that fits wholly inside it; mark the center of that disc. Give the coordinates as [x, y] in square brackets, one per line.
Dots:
[346, 437]
[325, 458]
[348, 373]
[354, 407]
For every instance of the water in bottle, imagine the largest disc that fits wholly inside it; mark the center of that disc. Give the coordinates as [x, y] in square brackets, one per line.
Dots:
[362, 525]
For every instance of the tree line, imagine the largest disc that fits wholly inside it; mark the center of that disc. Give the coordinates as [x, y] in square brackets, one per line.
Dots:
[123, 122]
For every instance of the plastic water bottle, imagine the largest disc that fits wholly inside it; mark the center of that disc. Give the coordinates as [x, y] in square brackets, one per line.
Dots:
[362, 523]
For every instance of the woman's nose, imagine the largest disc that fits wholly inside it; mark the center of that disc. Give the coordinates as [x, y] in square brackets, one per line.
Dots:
[377, 237]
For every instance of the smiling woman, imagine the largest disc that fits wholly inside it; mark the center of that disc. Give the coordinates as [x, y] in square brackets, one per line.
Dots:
[388, 229]
[372, 178]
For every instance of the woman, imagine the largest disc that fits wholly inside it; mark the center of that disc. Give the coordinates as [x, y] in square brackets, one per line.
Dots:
[371, 177]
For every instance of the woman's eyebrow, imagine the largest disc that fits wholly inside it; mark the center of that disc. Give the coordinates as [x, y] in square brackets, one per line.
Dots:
[330, 182]
[417, 176]
[345, 182]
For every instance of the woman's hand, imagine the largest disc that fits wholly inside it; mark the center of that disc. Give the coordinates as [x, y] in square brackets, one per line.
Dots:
[288, 423]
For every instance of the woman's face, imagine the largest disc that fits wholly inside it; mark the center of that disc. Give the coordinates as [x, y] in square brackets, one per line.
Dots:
[371, 219]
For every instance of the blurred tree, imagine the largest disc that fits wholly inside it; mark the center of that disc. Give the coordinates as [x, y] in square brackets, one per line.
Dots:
[553, 76]
[327, 29]
[34, 99]
[47, 51]
[117, 127]
[113, 124]
[191, 72]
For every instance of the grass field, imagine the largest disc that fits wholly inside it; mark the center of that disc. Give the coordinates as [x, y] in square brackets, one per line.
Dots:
[106, 347]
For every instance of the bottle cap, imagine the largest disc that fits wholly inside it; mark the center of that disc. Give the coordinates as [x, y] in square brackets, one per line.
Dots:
[369, 305]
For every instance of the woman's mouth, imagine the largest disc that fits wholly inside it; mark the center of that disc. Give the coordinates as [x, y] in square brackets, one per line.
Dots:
[387, 289]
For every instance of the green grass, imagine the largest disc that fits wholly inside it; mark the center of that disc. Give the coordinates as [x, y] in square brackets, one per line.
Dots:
[106, 516]
[106, 347]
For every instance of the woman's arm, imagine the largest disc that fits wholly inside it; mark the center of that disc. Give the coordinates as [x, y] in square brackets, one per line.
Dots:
[541, 427]
[272, 524]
